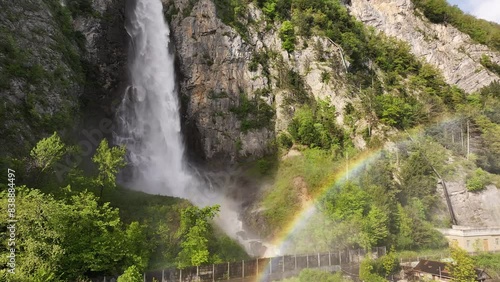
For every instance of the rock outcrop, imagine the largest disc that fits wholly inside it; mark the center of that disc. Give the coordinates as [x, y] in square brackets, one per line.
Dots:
[106, 43]
[445, 47]
[55, 60]
[215, 70]
[40, 72]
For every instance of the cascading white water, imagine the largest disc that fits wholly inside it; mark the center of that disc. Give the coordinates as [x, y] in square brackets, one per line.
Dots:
[149, 123]
[149, 113]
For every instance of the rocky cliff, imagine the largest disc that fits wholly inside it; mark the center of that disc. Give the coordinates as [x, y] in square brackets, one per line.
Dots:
[451, 51]
[40, 73]
[57, 59]
[224, 71]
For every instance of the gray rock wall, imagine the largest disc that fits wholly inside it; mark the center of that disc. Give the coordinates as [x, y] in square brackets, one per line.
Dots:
[443, 46]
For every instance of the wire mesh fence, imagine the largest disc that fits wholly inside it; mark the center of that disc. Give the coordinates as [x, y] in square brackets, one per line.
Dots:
[274, 268]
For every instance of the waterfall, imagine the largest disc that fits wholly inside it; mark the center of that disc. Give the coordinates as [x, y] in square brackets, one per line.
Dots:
[148, 116]
[149, 123]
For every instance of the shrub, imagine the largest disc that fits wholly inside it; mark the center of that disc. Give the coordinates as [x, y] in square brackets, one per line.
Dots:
[287, 35]
[285, 141]
[253, 114]
[264, 166]
[131, 274]
[487, 63]
[477, 181]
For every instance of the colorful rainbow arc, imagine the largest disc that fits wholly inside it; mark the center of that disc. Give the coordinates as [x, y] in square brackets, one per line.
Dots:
[338, 176]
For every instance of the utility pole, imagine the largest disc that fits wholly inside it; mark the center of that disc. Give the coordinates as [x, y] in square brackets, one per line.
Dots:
[347, 165]
[445, 189]
[468, 139]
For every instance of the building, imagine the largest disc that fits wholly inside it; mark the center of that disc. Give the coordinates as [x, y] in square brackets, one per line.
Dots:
[474, 239]
[439, 271]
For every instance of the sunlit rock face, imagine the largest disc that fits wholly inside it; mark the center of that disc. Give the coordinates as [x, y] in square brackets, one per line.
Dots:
[215, 72]
[445, 47]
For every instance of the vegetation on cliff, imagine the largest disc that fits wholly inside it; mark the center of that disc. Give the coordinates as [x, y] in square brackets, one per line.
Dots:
[482, 31]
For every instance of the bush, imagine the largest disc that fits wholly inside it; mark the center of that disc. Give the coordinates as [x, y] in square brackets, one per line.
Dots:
[131, 274]
[487, 63]
[287, 35]
[285, 141]
[230, 12]
[477, 181]
[264, 166]
[398, 112]
[316, 128]
[253, 114]
[368, 271]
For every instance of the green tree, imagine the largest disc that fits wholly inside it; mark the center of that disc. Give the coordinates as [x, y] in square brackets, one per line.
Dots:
[39, 241]
[287, 35]
[63, 240]
[375, 226]
[109, 161]
[398, 112]
[404, 238]
[462, 268]
[131, 274]
[390, 262]
[136, 242]
[477, 181]
[94, 240]
[47, 152]
[349, 201]
[195, 231]
[435, 10]
[367, 271]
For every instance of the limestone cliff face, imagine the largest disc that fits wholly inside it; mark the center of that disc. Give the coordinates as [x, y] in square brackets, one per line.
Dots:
[214, 62]
[40, 76]
[214, 73]
[54, 61]
[105, 53]
[443, 46]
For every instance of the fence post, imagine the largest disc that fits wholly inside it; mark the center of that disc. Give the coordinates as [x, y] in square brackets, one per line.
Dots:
[329, 259]
[295, 256]
[162, 275]
[257, 274]
[340, 257]
[144, 277]
[270, 265]
[180, 275]
[307, 261]
[228, 273]
[213, 272]
[319, 261]
[283, 261]
[243, 269]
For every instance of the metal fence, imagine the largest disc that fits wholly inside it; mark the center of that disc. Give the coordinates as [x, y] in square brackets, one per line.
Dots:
[274, 268]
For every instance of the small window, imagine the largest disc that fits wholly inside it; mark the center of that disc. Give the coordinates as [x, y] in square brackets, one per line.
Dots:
[496, 241]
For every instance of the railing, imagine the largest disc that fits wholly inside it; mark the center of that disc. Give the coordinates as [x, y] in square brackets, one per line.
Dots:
[274, 268]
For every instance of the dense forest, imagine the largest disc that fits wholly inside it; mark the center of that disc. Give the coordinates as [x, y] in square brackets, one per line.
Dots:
[74, 221]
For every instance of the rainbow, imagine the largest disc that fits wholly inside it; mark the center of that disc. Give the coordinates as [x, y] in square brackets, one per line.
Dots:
[339, 176]
[351, 168]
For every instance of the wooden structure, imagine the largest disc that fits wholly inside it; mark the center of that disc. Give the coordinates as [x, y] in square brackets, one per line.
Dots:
[440, 271]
